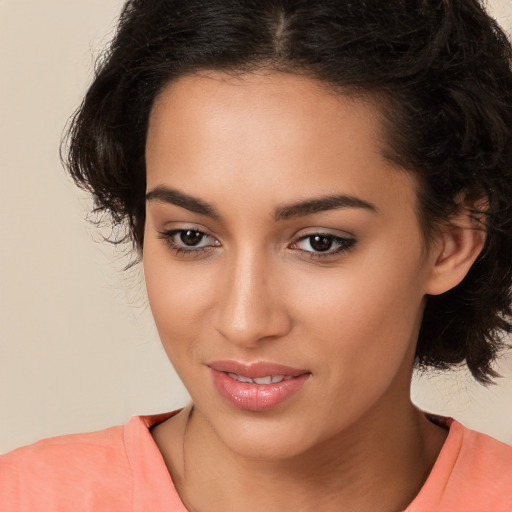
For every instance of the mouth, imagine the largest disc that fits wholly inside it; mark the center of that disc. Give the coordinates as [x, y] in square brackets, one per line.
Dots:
[258, 386]
[268, 379]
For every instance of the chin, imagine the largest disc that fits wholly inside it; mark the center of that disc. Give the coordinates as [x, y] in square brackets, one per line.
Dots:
[260, 437]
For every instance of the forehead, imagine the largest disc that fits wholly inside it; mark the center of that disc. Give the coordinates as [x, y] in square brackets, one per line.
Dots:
[276, 135]
[265, 100]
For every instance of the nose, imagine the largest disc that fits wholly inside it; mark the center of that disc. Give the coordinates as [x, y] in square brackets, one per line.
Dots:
[251, 304]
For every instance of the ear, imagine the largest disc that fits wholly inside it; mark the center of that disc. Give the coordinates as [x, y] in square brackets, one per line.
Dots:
[455, 250]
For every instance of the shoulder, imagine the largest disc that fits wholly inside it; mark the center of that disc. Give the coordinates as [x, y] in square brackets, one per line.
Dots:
[58, 473]
[473, 473]
[76, 451]
[482, 459]
[119, 468]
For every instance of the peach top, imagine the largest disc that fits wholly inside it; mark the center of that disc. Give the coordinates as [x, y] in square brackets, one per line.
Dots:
[121, 469]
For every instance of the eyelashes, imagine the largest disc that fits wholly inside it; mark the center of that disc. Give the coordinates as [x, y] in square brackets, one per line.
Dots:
[321, 245]
[192, 242]
[189, 242]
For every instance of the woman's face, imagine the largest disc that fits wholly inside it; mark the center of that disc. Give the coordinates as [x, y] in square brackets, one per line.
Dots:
[280, 245]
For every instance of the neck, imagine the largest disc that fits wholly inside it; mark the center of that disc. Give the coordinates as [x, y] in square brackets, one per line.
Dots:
[380, 462]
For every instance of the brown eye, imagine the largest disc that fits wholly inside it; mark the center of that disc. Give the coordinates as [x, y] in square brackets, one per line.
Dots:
[191, 237]
[321, 243]
[189, 242]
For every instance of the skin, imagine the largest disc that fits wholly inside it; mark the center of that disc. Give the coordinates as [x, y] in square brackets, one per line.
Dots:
[350, 438]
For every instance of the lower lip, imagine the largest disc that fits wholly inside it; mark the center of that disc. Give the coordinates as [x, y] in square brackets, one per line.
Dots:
[256, 397]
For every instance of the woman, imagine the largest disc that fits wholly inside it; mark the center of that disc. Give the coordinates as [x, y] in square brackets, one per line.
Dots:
[321, 196]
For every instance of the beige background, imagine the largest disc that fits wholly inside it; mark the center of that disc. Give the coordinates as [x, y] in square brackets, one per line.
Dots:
[78, 350]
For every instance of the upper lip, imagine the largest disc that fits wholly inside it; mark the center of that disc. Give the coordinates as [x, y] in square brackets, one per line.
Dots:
[257, 369]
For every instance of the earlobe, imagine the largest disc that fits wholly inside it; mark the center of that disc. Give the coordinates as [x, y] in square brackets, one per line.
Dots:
[457, 248]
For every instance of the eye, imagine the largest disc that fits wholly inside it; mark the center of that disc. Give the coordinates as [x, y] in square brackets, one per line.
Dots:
[191, 238]
[189, 242]
[323, 244]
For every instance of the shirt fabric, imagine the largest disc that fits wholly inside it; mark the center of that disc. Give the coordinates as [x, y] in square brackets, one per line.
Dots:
[120, 469]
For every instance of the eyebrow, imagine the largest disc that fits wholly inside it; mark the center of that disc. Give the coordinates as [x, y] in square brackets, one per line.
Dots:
[299, 209]
[320, 204]
[172, 196]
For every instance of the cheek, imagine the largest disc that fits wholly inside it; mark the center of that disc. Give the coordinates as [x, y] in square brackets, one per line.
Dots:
[178, 299]
[366, 314]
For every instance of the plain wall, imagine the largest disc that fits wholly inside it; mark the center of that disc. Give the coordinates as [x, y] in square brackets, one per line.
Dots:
[78, 350]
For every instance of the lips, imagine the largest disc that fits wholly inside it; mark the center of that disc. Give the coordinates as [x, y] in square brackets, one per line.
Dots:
[259, 386]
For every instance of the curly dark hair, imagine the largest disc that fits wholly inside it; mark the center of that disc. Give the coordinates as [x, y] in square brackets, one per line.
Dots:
[441, 70]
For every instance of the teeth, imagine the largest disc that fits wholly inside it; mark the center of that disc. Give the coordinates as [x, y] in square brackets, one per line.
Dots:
[269, 379]
[263, 380]
[240, 378]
